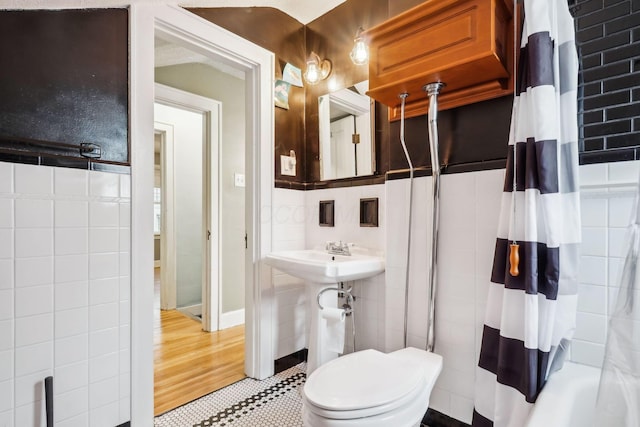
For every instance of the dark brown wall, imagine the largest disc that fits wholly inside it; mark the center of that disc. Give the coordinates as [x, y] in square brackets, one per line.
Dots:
[64, 79]
[284, 36]
[472, 137]
[475, 134]
[396, 7]
[331, 36]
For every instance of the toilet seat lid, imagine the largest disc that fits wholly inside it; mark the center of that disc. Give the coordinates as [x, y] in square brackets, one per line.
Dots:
[360, 380]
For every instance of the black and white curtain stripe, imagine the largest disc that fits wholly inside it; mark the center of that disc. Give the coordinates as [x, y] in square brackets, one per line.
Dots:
[530, 318]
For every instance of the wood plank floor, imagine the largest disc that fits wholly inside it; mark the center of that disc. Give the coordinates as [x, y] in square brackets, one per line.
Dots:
[189, 363]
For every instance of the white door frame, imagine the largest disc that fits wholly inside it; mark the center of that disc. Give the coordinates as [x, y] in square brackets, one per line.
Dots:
[183, 28]
[212, 111]
[168, 297]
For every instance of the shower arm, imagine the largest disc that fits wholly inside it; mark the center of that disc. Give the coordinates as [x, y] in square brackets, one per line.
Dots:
[433, 89]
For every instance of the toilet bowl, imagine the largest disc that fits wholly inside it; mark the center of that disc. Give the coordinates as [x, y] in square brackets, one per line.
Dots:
[372, 389]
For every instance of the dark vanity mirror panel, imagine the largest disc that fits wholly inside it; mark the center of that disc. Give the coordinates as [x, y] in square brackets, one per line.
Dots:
[64, 84]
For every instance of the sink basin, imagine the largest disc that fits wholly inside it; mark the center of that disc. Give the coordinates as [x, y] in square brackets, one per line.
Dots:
[321, 267]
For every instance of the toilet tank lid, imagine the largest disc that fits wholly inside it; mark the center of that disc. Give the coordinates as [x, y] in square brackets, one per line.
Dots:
[361, 380]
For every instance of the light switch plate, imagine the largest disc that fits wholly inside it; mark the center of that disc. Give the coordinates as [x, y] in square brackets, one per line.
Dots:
[238, 179]
[288, 165]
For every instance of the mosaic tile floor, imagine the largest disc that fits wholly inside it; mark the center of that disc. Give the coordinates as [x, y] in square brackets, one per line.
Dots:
[274, 402]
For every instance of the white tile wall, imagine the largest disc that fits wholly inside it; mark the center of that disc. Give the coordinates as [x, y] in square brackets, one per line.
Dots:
[291, 315]
[470, 205]
[469, 214]
[347, 217]
[6, 177]
[60, 228]
[606, 213]
[295, 226]
[288, 223]
[369, 293]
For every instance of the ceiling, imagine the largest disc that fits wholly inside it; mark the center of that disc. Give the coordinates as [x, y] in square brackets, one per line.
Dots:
[167, 54]
[304, 11]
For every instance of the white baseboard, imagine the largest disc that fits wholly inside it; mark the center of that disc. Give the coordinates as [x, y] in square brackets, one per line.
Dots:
[194, 310]
[232, 318]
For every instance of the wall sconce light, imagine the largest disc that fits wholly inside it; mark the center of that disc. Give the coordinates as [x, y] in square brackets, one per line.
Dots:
[360, 52]
[317, 69]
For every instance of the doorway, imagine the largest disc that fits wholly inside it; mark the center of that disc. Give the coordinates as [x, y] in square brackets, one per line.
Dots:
[201, 176]
[186, 29]
[189, 133]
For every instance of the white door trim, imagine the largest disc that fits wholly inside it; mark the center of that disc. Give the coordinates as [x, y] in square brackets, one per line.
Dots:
[184, 27]
[211, 109]
[168, 235]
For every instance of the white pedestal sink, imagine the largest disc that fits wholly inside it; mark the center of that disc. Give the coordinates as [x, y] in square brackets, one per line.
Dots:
[322, 270]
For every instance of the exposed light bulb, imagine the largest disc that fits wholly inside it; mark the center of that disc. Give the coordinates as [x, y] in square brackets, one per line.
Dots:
[312, 75]
[360, 52]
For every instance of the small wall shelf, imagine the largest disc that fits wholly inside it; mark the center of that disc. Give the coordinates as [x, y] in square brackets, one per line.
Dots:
[369, 212]
[326, 217]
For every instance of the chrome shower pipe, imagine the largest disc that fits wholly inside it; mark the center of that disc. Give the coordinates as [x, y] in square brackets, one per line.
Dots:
[433, 89]
[403, 98]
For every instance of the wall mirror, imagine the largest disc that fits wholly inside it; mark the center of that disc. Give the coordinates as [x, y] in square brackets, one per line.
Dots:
[346, 133]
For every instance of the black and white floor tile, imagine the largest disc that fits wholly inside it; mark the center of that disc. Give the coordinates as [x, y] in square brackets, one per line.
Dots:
[274, 402]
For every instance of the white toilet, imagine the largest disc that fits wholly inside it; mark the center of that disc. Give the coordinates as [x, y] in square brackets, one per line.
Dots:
[372, 389]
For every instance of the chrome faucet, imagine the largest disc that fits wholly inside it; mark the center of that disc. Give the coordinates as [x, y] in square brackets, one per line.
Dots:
[338, 248]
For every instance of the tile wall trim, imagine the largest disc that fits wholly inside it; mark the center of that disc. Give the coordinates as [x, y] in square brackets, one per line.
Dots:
[64, 162]
[585, 158]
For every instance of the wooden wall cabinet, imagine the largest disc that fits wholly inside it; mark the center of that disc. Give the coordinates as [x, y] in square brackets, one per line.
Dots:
[466, 44]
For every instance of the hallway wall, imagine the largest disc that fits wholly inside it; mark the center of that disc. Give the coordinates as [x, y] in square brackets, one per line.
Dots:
[188, 177]
[206, 81]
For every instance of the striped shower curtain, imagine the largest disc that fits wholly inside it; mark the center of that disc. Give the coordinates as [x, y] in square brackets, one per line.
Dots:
[530, 317]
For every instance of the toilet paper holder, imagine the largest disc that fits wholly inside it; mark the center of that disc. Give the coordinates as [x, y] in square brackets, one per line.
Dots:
[348, 307]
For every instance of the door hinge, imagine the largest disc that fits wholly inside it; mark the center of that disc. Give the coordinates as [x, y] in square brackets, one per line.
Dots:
[208, 234]
[246, 242]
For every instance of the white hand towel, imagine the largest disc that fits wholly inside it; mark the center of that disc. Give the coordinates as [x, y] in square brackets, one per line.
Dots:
[335, 323]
